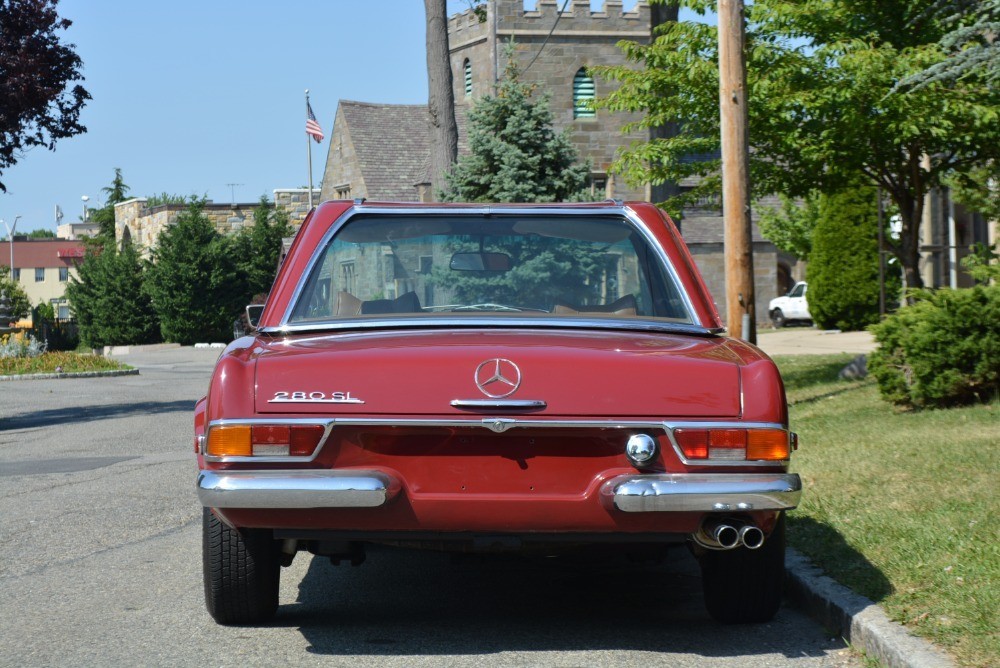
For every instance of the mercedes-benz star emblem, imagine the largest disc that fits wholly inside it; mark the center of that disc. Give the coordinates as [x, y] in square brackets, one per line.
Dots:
[498, 378]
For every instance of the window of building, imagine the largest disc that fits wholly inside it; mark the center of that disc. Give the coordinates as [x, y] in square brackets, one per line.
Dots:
[17, 275]
[583, 95]
[343, 191]
[63, 274]
[468, 77]
[348, 277]
[39, 274]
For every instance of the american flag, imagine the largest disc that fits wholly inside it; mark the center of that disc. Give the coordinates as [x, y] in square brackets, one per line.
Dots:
[312, 126]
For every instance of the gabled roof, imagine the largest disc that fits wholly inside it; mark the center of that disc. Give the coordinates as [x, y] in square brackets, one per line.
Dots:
[392, 145]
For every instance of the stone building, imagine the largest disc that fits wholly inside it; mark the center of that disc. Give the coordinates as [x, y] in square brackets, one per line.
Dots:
[141, 225]
[381, 151]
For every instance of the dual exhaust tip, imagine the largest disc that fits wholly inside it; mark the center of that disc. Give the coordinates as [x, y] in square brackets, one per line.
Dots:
[721, 536]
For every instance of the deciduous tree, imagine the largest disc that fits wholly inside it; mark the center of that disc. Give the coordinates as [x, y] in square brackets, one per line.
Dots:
[819, 75]
[20, 305]
[441, 94]
[40, 104]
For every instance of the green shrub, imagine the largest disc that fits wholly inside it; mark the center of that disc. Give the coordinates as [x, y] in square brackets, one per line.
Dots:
[843, 264]
[943, 350]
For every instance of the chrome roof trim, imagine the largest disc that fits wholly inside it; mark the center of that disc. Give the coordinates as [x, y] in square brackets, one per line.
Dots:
[598, 209]
[430, 322]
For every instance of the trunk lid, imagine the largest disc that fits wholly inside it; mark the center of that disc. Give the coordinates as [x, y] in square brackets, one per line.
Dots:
[585, 374]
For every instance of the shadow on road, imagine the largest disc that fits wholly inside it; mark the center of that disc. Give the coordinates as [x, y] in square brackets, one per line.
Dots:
[72, 414]
[421, 603]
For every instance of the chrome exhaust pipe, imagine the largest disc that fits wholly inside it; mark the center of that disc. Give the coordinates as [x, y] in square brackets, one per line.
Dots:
[751, 537]
[721, 536]
[726, 536]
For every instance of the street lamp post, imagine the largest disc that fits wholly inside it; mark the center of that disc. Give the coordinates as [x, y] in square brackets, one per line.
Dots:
[85, 200]
[10, 240]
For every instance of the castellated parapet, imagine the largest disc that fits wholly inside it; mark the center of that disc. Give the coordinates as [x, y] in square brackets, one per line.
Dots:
[580, 39]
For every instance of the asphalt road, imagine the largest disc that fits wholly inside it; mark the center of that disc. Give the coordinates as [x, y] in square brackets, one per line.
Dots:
[100, 564]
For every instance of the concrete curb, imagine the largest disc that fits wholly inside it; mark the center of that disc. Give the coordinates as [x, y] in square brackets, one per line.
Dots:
[858, 620]
[125, 350]
[79, 374]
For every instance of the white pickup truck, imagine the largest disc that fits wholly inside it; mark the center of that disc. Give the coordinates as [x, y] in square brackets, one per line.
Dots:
[792, 306]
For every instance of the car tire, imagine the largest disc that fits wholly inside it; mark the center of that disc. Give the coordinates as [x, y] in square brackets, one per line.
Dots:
[743, 586]
[241, 571]
[778, 318]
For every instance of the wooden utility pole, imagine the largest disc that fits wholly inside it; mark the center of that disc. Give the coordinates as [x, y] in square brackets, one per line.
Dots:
[740, 296]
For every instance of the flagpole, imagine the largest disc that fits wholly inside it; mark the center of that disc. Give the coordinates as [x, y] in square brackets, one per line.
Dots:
[309, 152]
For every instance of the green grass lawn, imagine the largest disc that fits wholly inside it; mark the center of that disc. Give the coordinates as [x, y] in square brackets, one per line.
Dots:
[58, 362]
[901, 506]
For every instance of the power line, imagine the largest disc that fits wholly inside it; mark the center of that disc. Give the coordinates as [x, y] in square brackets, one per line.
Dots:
[546, 40]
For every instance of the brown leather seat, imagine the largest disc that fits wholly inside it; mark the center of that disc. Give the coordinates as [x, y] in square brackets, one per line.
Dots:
[623, 306]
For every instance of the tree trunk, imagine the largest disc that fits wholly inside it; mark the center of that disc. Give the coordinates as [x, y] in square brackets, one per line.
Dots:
[911, 211]
[441, 96]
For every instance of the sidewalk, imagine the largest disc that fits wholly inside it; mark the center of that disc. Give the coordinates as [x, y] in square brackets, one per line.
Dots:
[812, 341]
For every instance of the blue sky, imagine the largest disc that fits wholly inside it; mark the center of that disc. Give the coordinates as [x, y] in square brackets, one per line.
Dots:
[191, 96]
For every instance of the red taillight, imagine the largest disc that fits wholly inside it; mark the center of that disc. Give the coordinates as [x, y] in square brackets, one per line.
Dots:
[264, 440]
[693, 442]
[733, 444]
[304, 439]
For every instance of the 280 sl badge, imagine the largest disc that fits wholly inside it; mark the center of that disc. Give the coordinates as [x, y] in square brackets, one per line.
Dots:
[314, 398]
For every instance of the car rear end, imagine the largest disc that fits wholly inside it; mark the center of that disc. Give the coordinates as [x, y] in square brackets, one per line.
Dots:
[532, 420]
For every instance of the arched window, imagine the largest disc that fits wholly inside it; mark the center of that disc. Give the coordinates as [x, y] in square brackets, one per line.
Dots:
[468, 77]
[583, 95]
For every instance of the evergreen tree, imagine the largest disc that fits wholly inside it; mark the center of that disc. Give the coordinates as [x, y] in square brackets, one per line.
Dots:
[516, 156]
[193, 281]
[843, 265]
[257, 249]
[822, 105]
[105, 216]
[108, 299]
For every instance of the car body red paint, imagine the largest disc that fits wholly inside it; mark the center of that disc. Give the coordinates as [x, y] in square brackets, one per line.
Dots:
[471, 422]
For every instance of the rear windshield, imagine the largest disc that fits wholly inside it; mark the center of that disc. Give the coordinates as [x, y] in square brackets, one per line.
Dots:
[544, 266]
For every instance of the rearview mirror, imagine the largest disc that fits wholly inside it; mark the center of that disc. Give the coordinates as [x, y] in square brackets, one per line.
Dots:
[254, 312]
[481, 262]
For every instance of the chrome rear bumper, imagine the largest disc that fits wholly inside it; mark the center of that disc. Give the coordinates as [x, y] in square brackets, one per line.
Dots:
[702, 492]
[345, 488]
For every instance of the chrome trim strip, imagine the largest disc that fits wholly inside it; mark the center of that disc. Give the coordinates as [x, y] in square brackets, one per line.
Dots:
[498, 403]
[503, 423]
[599, 209]
[702, 492]
[341, 488]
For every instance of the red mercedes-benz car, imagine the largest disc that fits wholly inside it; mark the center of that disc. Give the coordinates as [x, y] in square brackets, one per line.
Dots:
[502, 377]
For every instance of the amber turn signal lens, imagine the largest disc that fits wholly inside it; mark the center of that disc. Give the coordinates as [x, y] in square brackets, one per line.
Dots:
[767, 444]
[229, 441]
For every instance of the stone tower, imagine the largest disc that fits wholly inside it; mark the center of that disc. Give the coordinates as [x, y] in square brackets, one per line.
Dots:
[553, 52]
